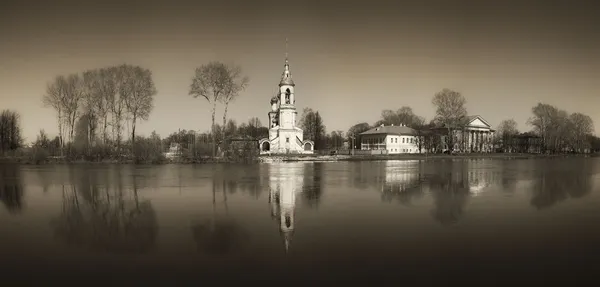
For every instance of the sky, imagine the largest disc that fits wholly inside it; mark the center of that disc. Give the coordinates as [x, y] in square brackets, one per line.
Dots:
[349, 59]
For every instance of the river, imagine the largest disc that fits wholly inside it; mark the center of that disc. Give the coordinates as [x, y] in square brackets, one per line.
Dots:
[468, 221]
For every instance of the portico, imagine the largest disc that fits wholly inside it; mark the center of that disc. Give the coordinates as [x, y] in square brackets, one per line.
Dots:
[476, 136]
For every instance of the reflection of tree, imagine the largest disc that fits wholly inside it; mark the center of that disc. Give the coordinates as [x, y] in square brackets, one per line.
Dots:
[312, 187]
[244, 179]
[404, 193]
[556, 183]
[11, 188]
[450, 197]
[449, 186]
[104, 218]
[219, 234]
[509, 176]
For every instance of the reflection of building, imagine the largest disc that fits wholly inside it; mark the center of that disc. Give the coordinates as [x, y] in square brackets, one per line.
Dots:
[401, 173]
[284, 135]
[402, 181]
[479, 176]
[285, 182]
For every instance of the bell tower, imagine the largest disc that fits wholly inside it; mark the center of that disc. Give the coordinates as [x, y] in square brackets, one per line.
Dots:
[284, 136]
[287, 101]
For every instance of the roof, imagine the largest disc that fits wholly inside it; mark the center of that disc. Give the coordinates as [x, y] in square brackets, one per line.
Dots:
[470, 119]
[390, 130]
[286, 77]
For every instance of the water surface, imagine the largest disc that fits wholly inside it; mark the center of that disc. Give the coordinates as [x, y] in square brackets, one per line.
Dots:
[472, 222]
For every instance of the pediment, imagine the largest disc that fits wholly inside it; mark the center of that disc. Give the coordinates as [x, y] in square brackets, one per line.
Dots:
[479, 122]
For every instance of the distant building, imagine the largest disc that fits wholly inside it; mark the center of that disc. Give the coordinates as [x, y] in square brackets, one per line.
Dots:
[174, 151]
[284, 135]
[390, 140]
[475, 135]
[525, 143]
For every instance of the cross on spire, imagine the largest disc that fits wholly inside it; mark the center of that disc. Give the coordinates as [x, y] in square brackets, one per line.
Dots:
[286, 50]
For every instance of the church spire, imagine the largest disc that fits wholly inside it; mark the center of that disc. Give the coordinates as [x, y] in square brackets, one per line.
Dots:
[286, 77]
[286, 51]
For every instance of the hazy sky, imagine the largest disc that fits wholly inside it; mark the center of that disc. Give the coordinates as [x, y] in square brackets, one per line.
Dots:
[349, 59]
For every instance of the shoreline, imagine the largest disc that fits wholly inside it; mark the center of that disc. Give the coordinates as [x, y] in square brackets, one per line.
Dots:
[321, 158]
[296, 158]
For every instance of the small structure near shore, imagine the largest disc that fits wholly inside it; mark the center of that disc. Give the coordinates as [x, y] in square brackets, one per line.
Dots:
[175, 151]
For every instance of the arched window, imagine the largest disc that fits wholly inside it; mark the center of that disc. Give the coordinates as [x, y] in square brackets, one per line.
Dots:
[287, 95]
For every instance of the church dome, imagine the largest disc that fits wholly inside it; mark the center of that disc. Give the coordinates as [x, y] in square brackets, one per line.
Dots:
[286, 77]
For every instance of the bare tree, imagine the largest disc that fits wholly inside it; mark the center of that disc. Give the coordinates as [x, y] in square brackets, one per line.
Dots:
[353, 133]
[507, 131]
[139, 90]
[10, 131]
[541, 121]
[107, 86]
[403, 116]
[583, 127]
[450, 112]
[116, 103]
[211, 82]
[236, 83]
[74, 92]
[54, 98]
[92, 95]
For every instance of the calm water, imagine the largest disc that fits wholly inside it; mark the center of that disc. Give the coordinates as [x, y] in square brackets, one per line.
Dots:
[473, 222]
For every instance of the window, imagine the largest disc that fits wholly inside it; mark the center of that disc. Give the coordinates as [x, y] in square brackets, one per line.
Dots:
[391, 140]
[402, 140]
[396, 140]
[287, 140]
[411, 140]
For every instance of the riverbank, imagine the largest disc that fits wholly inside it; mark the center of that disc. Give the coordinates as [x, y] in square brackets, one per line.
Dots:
[290, 158]
[64, 160]
[319, 158]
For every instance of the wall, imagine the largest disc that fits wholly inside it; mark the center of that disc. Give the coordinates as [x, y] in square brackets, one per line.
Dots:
[392, 144]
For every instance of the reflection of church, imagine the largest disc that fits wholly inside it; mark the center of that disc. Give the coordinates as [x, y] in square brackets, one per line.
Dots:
[285, 181]
[284, 135]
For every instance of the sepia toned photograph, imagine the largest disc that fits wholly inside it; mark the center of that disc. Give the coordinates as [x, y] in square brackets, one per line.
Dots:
[301, 143]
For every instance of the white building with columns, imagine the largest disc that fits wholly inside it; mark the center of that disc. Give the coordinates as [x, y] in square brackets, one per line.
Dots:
[476, 135]
[284, 136]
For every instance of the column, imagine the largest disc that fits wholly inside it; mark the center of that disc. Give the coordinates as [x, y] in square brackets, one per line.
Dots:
[487, 139]
[471, 141]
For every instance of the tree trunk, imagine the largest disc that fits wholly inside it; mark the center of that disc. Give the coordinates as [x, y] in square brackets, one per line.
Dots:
[133, 120]
[225, 118]
[104, 128]
[213, 129]
[450, 141]
[60, 132]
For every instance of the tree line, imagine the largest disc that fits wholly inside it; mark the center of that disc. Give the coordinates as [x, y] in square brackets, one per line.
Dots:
[102, 102]
[556, 129]
[93, 108]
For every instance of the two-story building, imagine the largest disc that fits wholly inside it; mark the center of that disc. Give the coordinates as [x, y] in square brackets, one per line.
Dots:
[390, 140]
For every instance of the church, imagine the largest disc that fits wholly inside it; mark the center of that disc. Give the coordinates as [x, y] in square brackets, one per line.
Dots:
[284, 136]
